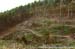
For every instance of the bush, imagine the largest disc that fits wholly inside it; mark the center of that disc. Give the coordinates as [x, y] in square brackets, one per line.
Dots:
[61, 29]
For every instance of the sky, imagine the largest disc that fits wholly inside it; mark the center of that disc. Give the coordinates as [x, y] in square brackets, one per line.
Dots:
[9, 4]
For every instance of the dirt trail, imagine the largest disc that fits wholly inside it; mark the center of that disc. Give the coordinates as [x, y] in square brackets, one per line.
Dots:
[9, 31]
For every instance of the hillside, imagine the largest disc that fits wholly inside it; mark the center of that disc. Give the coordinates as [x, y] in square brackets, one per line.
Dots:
[43, 22]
